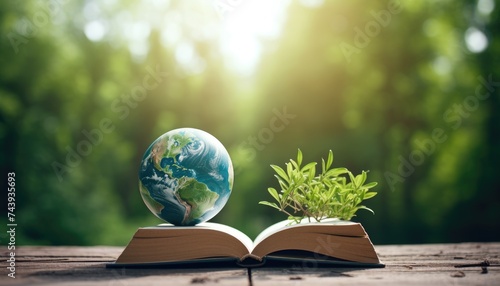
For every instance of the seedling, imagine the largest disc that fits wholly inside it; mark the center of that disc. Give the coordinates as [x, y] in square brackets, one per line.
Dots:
[334, 193]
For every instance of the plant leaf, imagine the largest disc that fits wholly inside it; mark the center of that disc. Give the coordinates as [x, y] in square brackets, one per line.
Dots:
[370, 185]
[273, 205]
[365, 208]
[360, 179]
[299, 158]
[336, 172]
[280, 172]
[369, 195]
[282, 183]
[289, 168]
[363, 178]
[308, 166]
[353, 179]
[334, 192]
[330, 159]
[274, 193]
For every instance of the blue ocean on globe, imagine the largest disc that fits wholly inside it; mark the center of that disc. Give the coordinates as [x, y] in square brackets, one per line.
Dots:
[186, 176]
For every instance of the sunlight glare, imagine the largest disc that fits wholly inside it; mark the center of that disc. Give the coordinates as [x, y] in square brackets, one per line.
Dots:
[245, 28]
[95, 30]
[475, 40]
[485, 6]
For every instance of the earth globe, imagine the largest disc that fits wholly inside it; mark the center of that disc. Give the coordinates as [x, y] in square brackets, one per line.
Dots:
[186, 176]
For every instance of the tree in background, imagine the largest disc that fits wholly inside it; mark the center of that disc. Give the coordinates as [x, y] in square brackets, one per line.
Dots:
[389, 86]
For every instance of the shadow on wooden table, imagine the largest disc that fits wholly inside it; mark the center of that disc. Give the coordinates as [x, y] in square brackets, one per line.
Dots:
[98, 272]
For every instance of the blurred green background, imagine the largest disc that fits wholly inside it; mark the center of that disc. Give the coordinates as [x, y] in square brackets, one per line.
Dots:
[405, 89]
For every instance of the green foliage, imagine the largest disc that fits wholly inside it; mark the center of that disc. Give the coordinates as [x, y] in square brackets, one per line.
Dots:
[325, 195]
[381, 108]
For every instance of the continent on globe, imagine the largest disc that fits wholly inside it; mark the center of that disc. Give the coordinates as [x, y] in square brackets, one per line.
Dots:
[196, 197]
[162, 150]
[186, 176]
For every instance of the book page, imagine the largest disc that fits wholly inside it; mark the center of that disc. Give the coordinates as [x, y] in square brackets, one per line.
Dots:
[291, 224]
[169, 243]
[330, 238]
[229, 230]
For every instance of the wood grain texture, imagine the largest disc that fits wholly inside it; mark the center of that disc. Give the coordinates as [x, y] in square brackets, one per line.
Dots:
[432, 264]
[86, 266]
[405, 264]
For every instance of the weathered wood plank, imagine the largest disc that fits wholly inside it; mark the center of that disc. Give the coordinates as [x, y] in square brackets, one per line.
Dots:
[405, 264]
[86, 266]
[408, 264]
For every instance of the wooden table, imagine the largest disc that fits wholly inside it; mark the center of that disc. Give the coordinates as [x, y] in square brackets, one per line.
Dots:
[433, 264]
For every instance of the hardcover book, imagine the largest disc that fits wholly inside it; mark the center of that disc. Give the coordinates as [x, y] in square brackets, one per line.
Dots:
[330, 242]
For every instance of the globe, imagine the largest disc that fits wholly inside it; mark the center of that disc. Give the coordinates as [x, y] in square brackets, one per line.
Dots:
[186, 176]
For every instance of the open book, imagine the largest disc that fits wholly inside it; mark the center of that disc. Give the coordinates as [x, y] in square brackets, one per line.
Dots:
[328, 242]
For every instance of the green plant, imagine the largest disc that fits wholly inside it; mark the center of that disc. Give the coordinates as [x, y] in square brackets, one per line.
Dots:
[305, 194]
